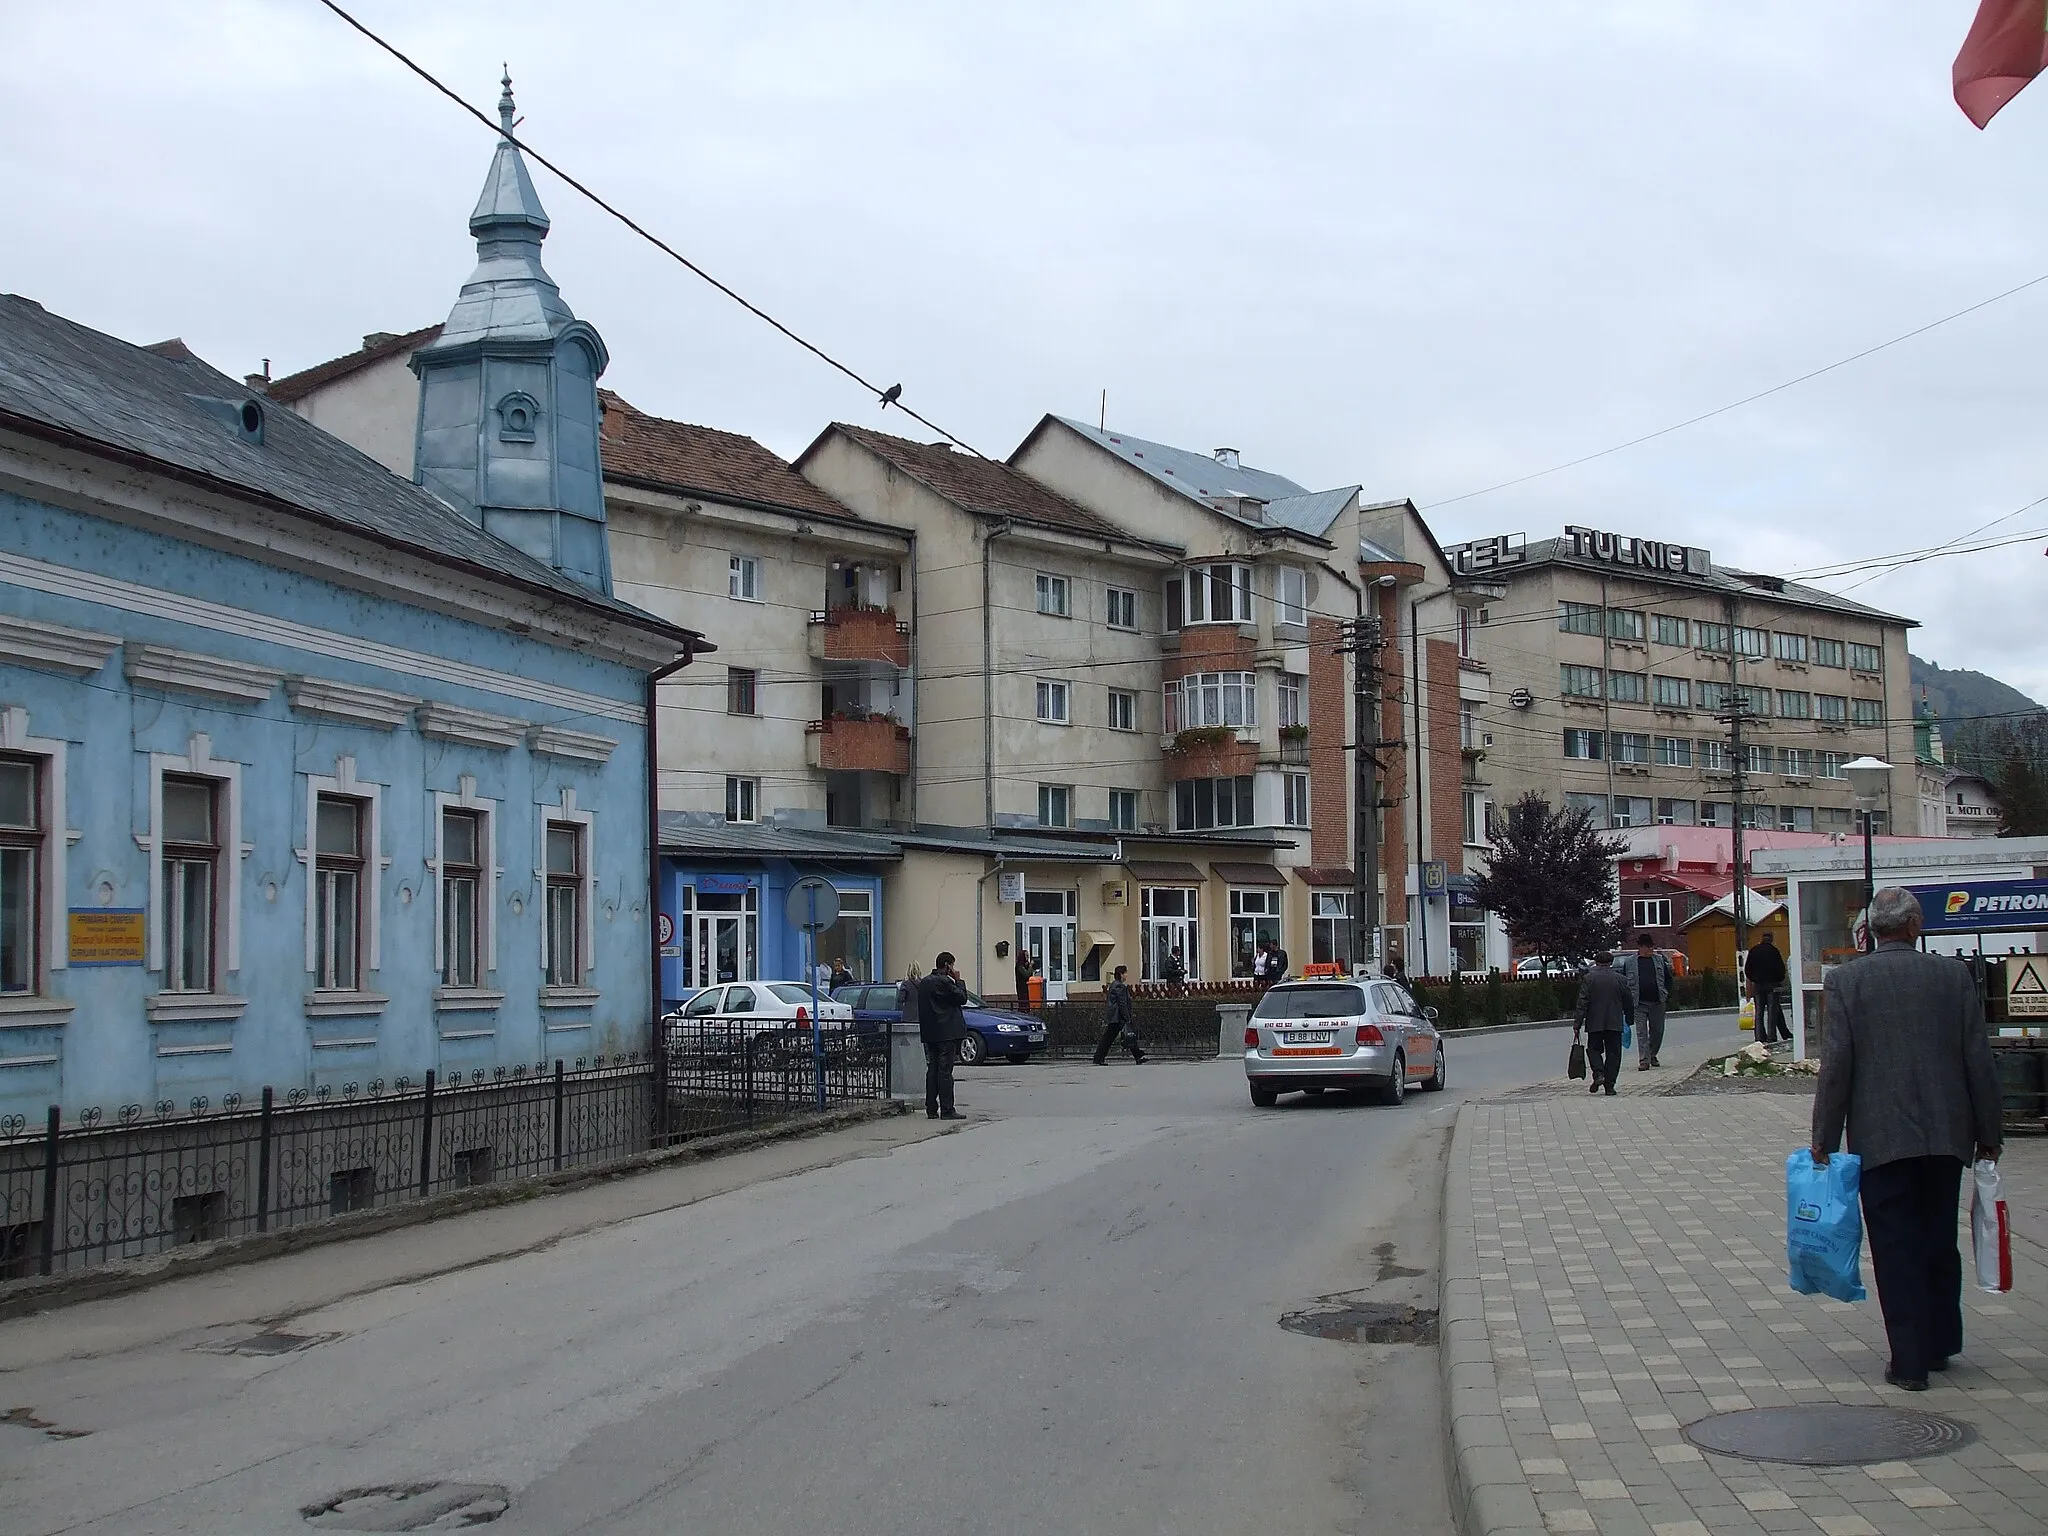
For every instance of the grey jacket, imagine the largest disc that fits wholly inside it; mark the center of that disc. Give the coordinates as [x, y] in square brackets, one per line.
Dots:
[1905, 1063]
[1632, 973]
[1603, 1000]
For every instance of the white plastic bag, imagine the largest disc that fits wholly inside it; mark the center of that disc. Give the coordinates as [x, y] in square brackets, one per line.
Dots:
[1990, 1238]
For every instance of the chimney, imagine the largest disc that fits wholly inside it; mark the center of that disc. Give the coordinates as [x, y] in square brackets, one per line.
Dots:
[377, 339]
[1227, 457]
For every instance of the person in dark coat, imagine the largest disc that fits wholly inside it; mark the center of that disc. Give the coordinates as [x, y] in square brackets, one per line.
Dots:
[1276, 961]
[1396, 970]
[941, 1026]
[1024, 969]
[1764, 969]
[1906, 1069]
[1119, 1018]
[1603, 1010]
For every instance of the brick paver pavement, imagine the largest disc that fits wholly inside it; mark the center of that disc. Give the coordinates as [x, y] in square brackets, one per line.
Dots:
[1615, 1269]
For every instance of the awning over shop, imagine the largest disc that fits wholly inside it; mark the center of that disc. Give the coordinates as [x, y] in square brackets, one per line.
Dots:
[1249, 874]
[1163, 872]
[1095, 938]
[1325, 874]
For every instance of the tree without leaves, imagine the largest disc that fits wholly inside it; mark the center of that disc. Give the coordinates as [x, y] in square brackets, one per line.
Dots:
[1550, 876]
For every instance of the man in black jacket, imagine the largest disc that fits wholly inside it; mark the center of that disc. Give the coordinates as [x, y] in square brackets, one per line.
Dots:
[1603, 1010]
[1119, 1017]
[941, 1026]
[1765, 971]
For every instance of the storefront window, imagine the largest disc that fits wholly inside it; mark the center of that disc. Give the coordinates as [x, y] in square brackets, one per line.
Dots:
[1254, 919]
[1468, 932]
[726, 939]
[1045, 932]
[1168, 927]
[852, 938]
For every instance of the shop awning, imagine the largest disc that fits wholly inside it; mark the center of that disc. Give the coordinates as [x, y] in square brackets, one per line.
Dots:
[1163, 872]
[1249, 874]
[1095, 938]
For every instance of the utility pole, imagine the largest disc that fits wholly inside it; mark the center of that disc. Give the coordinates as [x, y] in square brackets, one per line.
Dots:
[1362, 640]
[1740, 896]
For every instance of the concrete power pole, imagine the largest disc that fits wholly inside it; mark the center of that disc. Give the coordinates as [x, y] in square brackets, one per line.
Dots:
[1363, 642]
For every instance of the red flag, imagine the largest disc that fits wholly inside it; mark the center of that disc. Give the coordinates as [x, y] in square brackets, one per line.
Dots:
[2007, 47]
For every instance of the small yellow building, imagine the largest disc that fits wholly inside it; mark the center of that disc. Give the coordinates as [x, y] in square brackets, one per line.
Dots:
[1710, 932]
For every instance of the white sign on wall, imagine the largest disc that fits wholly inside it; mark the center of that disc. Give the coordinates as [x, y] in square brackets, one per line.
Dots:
[1010, 885]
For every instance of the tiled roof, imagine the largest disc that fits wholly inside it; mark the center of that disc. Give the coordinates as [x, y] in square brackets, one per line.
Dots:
[721, 465]
[296, 386]
[70, 380]
[985, 487]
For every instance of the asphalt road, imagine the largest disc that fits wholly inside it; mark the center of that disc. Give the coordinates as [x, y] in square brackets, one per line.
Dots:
[1064, 1318]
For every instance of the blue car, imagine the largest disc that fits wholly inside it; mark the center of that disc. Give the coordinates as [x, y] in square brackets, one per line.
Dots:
[991, 1032]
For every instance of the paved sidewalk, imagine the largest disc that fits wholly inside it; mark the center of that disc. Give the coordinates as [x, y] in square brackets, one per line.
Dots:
[1615, 1269]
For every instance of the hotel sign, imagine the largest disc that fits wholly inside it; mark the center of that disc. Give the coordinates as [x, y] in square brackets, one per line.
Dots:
[1638, 554]
[1481, 555]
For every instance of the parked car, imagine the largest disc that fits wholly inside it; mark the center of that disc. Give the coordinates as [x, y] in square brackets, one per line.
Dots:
[991, 1032]
[1536, 965]
[1365, 1034]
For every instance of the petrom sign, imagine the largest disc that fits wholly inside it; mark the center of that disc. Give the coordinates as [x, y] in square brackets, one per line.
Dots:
[1982, 906]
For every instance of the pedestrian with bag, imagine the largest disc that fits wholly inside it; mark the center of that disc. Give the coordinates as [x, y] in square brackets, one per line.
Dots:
[1603, 1014]
[941, 1026]
[1649, 977]
[1119, 1020]
[1906, 1069]
[1764, 969]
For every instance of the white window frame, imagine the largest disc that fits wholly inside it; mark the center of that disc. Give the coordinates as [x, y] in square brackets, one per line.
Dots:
[1054, 702]
[1290, 607]
[1126, 797]
[566, 813]
[1473, 807]
[743, 578]
[344, 785]
[466, 798]
[1055, 595]
[1238, 583]
[1123, 709]
[198, 762]
[1066, 794]
[750, 791]
[51, 890]
[1292, 698]
[1295, 806]
[1245, 685]
[1119, 598]
[1645, 912]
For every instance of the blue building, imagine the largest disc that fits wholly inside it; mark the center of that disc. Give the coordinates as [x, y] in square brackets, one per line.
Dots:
[309, 775]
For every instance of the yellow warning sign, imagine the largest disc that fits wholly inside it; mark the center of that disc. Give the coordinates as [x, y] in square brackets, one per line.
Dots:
[2026, 986]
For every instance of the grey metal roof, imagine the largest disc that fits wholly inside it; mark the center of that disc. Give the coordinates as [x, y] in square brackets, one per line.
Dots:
[1311, 514]
[681, 836]
[1203, 477]
[79, 383]
[973, 840]
[1724, 579]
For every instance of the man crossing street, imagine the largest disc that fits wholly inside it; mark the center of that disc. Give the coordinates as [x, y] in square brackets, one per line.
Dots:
[1649, 976]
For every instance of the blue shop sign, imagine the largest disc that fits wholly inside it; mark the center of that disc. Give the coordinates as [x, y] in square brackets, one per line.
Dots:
[724, 885]
[1982, 906]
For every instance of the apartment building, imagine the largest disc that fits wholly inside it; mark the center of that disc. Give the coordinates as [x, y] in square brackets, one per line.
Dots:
[1618, 662]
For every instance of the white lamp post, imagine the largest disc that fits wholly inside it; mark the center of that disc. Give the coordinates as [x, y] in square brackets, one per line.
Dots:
[1868, 777]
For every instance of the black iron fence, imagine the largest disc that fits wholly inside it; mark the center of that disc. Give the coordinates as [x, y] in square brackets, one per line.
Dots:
[1167, 1026]
[104, 1187]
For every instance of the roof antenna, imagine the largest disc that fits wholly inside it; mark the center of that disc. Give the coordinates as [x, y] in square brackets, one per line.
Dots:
[1102, 421]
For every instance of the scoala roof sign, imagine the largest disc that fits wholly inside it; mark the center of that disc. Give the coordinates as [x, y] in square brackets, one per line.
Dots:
[1639, 554]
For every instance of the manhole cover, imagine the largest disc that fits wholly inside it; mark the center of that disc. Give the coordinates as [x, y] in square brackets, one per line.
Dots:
[410, 1507]
[1829, 1434]
[1364, 1322]
[274, 1342]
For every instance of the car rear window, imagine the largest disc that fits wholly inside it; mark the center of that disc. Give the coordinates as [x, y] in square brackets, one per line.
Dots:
[790, 992]
[1335, 1001]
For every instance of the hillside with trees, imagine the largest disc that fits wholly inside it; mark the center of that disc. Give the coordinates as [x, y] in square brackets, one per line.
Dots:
[1992, 728]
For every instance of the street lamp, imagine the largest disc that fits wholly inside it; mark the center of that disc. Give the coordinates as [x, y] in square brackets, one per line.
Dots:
[1868, 776]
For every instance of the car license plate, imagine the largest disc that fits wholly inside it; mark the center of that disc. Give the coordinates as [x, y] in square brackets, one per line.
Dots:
[1307, 1036]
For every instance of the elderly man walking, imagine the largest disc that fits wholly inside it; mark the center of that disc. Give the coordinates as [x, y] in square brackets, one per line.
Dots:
[1648, 973]
[1906, 1065]
[1603, 1010]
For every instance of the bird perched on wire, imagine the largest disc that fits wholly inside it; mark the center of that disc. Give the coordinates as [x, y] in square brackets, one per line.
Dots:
[891, 395]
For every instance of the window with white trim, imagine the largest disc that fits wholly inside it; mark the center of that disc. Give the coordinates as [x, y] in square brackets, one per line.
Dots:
[1674, 752]
[339, 827]
[1123, 710]
[1123, 810]
[462, 897]
[1651, 912]
[1212, 698]
[1293, 692]
[23, 846]
[1054, 596]
[1475, 818]
[742, 799]
[1209, 594]
[567, 853]
[1294, 806]
[1052, 702]
[1584, 744]
[1055, 805]
[191, 879]
[1677, 813]
[743, 578]
[1290, 591]
[1122, 608]
[1629, 747]
[1199, 804]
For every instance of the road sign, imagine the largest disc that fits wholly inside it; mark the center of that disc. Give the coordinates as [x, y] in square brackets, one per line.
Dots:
[2026, 986]
[813, 904]
[1436, 875]
[665, 928]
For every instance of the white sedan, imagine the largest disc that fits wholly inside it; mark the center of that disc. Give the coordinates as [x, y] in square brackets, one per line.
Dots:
[761, 1006]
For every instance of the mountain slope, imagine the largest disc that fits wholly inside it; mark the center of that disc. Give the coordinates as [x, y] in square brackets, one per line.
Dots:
[1962, 700]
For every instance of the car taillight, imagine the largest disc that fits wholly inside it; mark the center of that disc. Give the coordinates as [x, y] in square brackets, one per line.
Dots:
[803, 1014]
[1369, 1034]
[1251, 1037]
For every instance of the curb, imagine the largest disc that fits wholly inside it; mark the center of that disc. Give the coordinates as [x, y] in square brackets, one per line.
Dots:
[1509, 1029]
[39, 1293]
[1489, 1494]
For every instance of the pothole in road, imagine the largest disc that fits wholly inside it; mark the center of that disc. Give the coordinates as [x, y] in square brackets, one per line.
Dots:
[1364, 1322]
[410, 1507]
[271, 1342]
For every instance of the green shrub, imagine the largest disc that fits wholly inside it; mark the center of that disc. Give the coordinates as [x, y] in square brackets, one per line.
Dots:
[1493, 1005]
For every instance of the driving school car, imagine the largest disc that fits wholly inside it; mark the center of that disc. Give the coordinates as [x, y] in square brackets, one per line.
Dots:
[1359, 1035]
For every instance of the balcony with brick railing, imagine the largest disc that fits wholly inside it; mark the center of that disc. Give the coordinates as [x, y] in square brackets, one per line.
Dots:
[1211, 752]
[867, 744]
[859, 634]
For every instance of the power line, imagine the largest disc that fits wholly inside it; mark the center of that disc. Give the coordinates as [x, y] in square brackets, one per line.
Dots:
[890, 396]
[1735, 405]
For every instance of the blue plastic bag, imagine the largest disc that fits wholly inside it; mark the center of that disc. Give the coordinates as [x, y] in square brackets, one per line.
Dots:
[1824, 1225]
[1628, 1035]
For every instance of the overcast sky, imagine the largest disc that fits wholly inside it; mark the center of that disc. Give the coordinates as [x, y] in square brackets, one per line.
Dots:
[1421, 246]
